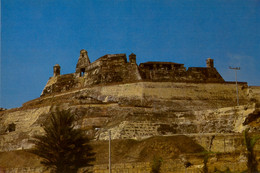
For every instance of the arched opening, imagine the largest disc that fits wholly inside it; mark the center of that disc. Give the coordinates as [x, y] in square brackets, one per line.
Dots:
[82, 72]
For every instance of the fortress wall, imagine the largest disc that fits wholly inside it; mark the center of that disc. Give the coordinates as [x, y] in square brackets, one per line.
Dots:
[60, 84]
[254, 93]
[111, 69]
[93, 65]
[123, 90]
[132, 73]
[202, 74]
[47, 88]
[171, 90]
[193, 96]
[167, 71]
[196, 95]
[255, 89]
[196, 91]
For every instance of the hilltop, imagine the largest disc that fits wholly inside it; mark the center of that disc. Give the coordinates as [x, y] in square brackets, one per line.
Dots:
[155, 108]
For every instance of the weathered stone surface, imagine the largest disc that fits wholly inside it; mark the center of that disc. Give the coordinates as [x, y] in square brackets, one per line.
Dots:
[138, 102]
[139, 110]
[83, 62]
[167, 71]
[27, 123]
[219, 121]
[115, 69]
[2, 109]
[56, 70]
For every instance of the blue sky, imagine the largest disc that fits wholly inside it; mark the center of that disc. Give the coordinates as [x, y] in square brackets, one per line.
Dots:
[37, 34]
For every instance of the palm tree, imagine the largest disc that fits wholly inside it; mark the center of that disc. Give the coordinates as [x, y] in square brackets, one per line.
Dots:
[63, 148]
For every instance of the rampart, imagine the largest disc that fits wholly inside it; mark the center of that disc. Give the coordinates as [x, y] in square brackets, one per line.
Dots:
[116, 69]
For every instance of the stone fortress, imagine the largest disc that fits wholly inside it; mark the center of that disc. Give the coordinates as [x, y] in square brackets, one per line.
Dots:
[152, 109]
[115, 69]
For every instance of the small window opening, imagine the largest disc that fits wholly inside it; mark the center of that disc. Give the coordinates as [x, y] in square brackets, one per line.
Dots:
[82, 72]
[11, 127]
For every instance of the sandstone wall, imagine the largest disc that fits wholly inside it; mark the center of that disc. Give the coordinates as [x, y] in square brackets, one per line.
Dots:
[254, 94]
[61, 83]
[167, 71]
[187, 96]
[183, 96]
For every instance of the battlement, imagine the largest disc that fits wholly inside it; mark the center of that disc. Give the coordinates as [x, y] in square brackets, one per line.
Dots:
[114, 68]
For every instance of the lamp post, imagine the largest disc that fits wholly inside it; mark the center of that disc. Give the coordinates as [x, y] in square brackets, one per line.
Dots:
[236, 68]
[109, 159]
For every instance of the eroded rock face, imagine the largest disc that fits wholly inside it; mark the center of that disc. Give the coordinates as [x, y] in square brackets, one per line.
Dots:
[136, 111]
[27, 123]
[218, 121]
[204, 113]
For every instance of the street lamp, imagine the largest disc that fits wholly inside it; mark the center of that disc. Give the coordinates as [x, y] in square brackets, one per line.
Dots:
[109, 160]
[236, 68]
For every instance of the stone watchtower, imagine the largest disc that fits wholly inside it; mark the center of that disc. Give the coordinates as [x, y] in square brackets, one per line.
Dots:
[56, 70]
[210, 63]
[132, 58]
[83, 62]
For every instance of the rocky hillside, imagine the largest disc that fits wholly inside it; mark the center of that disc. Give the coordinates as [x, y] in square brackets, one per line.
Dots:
[204, 114]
